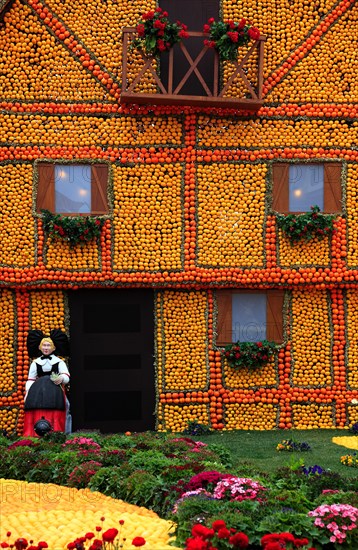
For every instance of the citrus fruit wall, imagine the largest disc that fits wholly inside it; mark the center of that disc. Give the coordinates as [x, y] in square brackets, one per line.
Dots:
[178, 175]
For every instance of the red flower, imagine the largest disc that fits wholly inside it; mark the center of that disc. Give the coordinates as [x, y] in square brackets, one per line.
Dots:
[254, 33]
[4, 545]
[138, 541]
[141, 32]
[206, 28]
[89, 536]
[241, 25]
[211, 20]
[161, 45]
[121, 521]
[223, 533]
[197, 544]
[239, 540]
[183, 34]
[234, 36]
[199, 530]
[110, 535]
[20, 544]
[299, 543]
[218, 524]
[42, 544]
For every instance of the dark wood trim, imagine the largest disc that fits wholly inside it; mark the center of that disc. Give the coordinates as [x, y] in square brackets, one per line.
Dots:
[274, 316]
[99, 183]
[280, 185]
[224, 317]
[46, 186]
[333, 187]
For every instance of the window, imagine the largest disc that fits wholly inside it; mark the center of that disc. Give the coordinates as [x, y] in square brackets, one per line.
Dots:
[249, 316]
[72, 188]
[298, 186]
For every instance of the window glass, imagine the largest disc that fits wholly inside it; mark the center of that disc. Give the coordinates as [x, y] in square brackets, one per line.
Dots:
[306, 185]
[73, 188]
[249, 317]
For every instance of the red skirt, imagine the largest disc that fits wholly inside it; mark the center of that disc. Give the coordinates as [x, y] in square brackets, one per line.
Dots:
[56, 418]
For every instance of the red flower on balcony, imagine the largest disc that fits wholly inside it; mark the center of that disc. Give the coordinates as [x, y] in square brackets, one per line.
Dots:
[157, 34]
[227, 36]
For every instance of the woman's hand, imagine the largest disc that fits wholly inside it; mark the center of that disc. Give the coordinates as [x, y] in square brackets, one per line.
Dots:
[56, 378]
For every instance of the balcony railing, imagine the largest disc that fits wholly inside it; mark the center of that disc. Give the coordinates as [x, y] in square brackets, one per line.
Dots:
[214, 95]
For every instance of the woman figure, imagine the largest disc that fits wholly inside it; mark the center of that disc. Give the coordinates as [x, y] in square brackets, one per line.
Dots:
[45, 386]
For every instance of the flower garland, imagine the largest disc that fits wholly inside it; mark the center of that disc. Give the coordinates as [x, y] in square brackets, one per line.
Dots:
[157, 34]
[252, 355]
[304, 227]
[72, 229]
[227, 36]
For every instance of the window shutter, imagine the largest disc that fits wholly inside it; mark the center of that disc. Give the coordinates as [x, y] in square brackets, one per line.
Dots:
[99, 178]
[46, 187]
[332, 187]
[224, 317]
[280, 202]
[274, 327]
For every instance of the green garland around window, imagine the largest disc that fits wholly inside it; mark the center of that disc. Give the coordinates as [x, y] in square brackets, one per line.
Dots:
[72, 229]
[304, 227]
[252, 355]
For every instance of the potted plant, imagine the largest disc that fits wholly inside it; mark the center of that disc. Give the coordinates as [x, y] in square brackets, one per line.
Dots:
[156, 34]
[304, 227]
[252, 355]
[227, 36]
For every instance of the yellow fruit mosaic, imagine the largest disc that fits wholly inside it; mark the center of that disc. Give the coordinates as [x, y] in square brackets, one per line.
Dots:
[17, 229]
[32, 511]
[78, 131]
[314, 252]
[177, 417]
[310, 324]
[9, 418]
[352, 336]
[231, 211]
[311, 415]
[182, 334]
[148, 217]
[48, 310]
[7, 345]
[247, 416]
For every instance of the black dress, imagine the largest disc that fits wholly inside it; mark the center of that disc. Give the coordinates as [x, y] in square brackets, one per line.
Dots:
[43, 393]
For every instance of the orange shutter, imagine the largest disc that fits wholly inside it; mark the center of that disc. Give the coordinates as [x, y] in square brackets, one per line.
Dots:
[280, 202]
[274, 320]
[224, 317]
[46, 187]
[99, 178]
[332, 187]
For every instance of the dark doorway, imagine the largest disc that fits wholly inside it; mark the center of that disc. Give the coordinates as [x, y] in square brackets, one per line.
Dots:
[194, 13]
[111, 363]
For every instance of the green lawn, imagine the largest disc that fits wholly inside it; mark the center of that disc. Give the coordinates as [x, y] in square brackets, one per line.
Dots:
[258, 448]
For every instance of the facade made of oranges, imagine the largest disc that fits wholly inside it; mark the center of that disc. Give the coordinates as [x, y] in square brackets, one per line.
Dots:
[190, 207]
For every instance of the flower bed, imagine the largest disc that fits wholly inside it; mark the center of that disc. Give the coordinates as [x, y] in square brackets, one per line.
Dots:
[185, 481]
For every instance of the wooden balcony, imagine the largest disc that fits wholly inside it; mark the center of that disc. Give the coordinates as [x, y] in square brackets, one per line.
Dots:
[170, 91]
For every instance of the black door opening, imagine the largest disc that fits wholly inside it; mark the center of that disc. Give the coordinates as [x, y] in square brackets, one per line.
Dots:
[111, 362]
